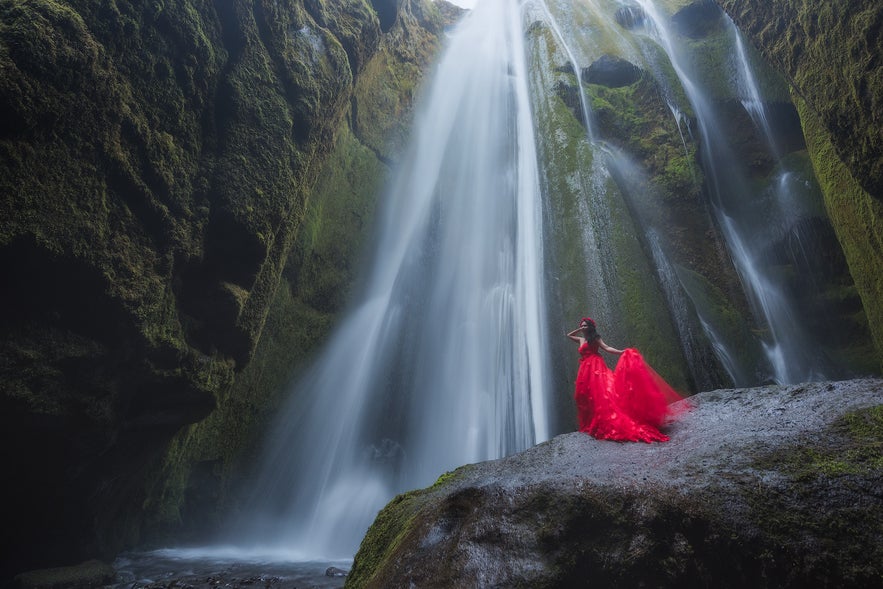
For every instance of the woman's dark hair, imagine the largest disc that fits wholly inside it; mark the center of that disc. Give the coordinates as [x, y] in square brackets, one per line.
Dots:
[591, 332]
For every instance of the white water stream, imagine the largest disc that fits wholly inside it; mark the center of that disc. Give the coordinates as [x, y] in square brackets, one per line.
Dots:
[442, 362]
[789, 350]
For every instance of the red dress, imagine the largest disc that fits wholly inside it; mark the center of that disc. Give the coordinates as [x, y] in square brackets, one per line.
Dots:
[628, 404]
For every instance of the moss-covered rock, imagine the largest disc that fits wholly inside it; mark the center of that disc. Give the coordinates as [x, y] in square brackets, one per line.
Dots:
[832, 54]
[596, 246]
[160, 169]
[767, 487]
[857, 218]
[673, 190]
[92, 573]
[655, 193]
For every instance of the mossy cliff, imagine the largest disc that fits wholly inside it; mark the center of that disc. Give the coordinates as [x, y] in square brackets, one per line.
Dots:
[832, 56]
[166, 166]
[595, 245]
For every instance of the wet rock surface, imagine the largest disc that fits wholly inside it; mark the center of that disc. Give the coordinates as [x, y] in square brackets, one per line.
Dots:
[768, 487]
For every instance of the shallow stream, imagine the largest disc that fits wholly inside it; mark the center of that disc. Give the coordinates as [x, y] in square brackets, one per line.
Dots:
[203, 568]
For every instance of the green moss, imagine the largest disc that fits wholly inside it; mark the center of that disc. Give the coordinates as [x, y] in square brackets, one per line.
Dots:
[385, 537]
[853, 447]
[321, 267]
[566, 163]
[637, 119]
[447, 478]
[829, 54]
[851, 457]
[391, 81]
[645, 313]
[588, 202]
[864, 454]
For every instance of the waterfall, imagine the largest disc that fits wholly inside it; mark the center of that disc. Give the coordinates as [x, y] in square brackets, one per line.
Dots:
[442, 360]
[789, 350]
[577, 71]
[747, 88]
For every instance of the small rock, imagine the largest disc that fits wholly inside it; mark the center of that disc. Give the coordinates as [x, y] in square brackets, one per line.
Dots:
[335, 572]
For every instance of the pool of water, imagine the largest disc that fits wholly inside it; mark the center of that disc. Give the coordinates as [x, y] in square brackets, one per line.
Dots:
[204, 568]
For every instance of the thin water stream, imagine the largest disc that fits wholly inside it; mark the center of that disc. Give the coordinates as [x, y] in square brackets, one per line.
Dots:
[789, 349]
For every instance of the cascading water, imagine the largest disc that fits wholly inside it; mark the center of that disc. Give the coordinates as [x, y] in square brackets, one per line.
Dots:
[577, 71]
[789, 349]
[747, 89]
[698, 343]
[753, 216]
[443, 360]
[592, 27]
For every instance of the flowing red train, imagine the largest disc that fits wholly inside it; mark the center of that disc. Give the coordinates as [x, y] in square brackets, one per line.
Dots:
[630, 403]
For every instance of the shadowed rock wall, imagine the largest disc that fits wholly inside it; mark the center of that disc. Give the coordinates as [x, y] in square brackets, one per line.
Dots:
[832, 55]
[160, 162]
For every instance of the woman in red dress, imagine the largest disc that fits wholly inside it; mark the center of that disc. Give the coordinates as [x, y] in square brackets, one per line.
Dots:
[628, 404]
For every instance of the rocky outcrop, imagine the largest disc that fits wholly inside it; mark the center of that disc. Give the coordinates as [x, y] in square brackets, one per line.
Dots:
[92, 573]
[612, 71]
[766, 487]
[832, 55]
[160, 163]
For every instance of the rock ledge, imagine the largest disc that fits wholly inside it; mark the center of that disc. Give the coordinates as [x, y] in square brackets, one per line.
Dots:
[765, 487]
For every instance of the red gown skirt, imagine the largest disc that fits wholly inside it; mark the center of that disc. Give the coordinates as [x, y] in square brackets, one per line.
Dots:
[629, 404]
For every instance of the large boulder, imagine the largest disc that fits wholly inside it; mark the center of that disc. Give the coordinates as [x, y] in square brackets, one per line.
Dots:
[766, 487]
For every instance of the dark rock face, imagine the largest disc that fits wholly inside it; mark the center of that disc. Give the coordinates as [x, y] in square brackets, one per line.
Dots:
[88, 574]
[697, 19]
[612, 71]
[157, 163]
[767, 487]
[832, 55]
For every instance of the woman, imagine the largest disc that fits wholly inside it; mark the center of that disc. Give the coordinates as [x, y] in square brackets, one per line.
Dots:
[628, 404]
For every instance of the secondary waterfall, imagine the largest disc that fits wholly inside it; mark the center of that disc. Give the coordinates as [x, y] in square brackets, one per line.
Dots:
[743, 219]
[750, 220]
[442, 362]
